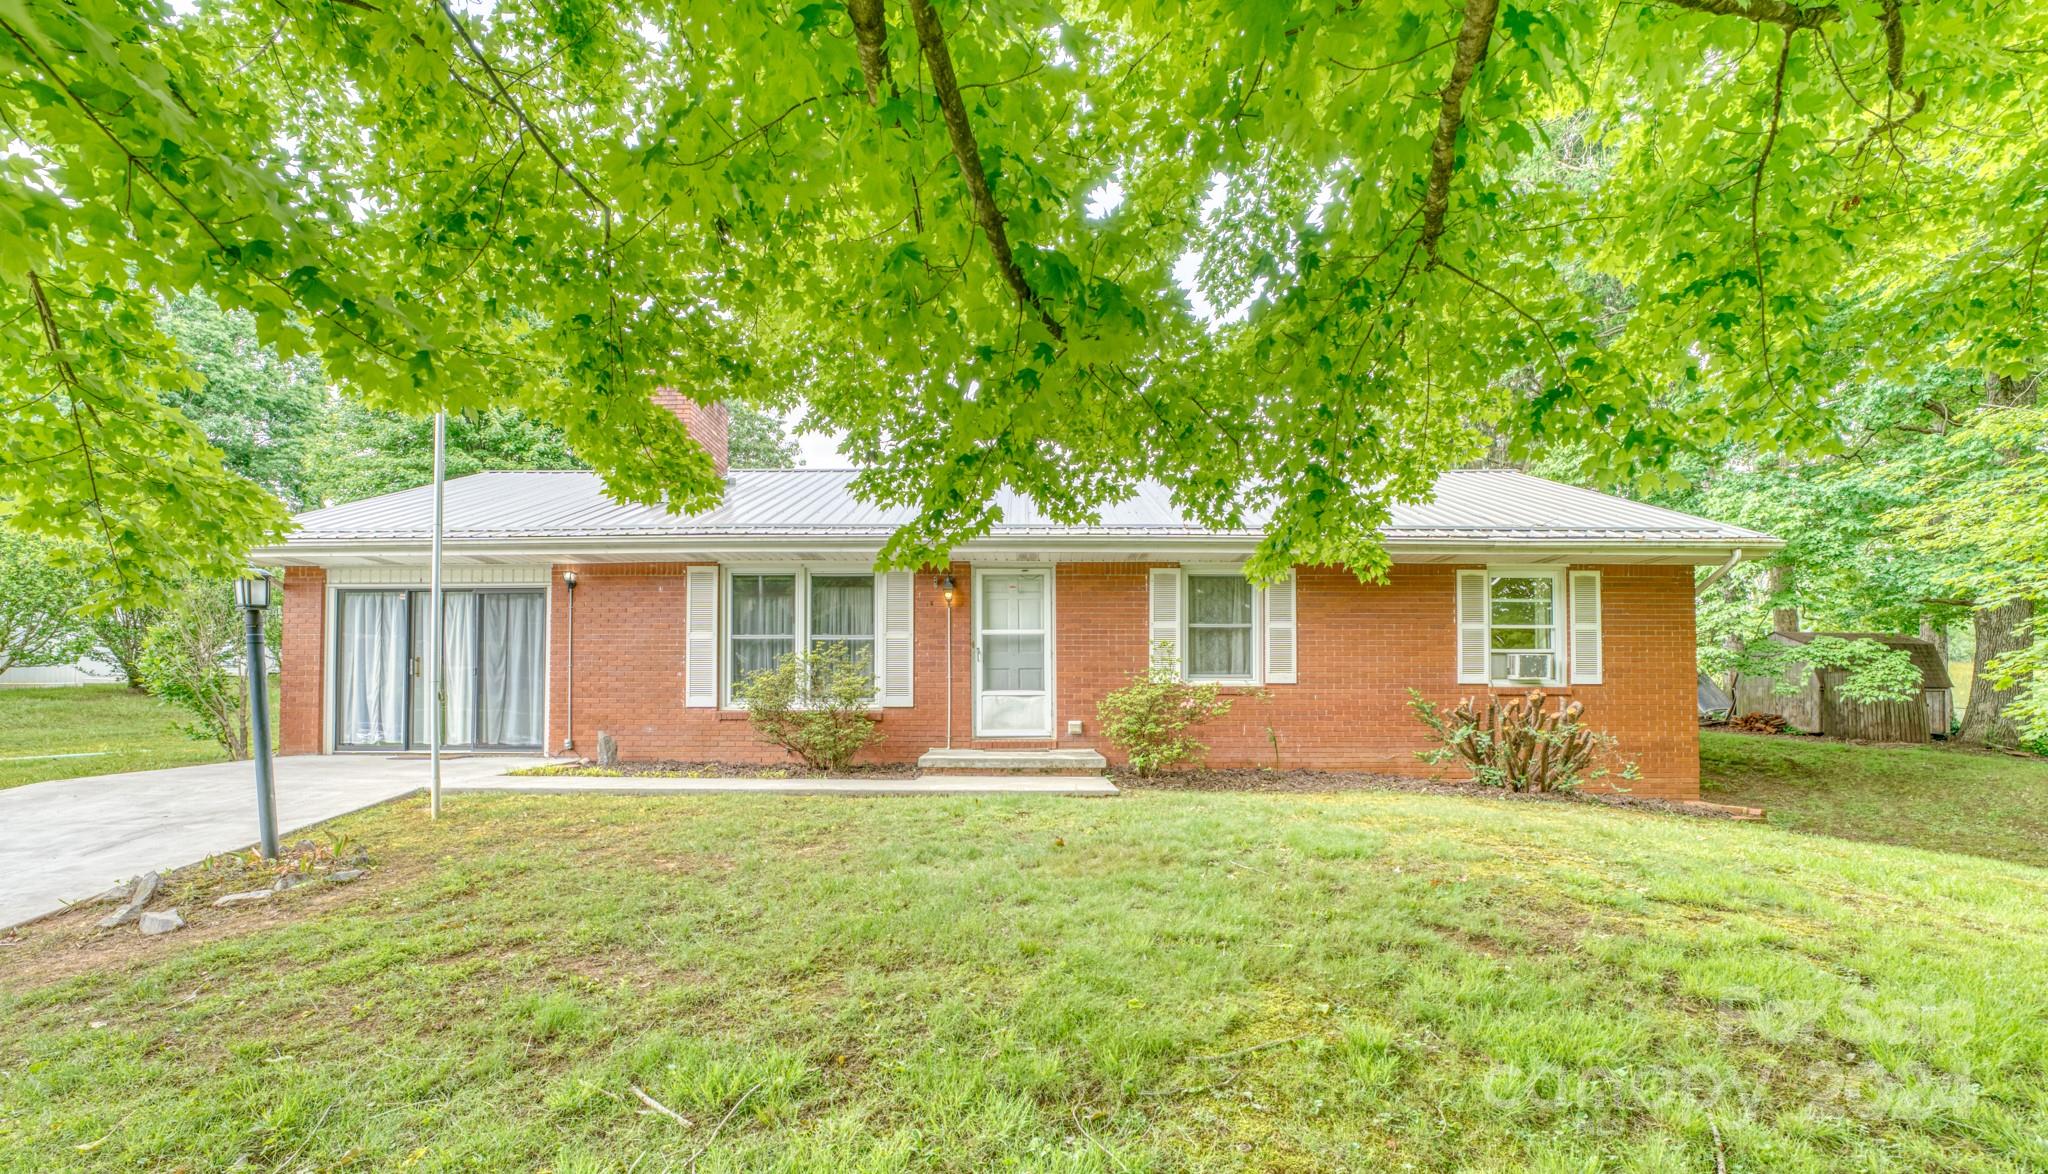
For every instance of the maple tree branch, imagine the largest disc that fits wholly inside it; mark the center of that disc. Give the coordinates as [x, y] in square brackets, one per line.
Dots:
[1792, 16]
[1894, 45]
[946, 86]
[1473, 36]
[512, 106]
[870, 34]
[1756, 190]
[68, 376]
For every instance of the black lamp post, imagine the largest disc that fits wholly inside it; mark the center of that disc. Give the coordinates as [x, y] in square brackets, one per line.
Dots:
[252, 595]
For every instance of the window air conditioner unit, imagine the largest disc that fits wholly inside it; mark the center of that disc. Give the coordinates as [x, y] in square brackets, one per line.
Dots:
[1528, 666]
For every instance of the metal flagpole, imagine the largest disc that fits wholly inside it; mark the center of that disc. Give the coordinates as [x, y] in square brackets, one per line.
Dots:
[434, 698]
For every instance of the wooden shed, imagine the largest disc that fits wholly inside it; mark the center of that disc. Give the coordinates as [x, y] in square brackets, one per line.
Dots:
[1822, 708]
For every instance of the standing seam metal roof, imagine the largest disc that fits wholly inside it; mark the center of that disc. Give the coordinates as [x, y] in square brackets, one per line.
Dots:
[1477, 504]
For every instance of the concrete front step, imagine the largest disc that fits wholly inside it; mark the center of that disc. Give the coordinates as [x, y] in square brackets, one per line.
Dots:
[944, 763]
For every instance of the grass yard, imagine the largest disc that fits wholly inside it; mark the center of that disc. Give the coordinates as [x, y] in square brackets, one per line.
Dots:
[110, 727]
[1951, 800]
[1162, 981]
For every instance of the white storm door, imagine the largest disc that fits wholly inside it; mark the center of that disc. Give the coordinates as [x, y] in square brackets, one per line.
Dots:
[1013, 655]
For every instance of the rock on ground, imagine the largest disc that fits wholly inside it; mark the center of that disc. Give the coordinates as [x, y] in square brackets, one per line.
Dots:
[161, 921]
[249, 898]
[345, 875]
[145, 889]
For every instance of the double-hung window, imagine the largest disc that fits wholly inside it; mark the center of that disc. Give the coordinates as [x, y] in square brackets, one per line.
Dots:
[1220, 644]
[764, 626]
[842, 612]
[1524, 643]
[771, 614]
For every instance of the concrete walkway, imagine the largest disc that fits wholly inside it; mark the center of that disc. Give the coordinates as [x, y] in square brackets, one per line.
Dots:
[73, 838]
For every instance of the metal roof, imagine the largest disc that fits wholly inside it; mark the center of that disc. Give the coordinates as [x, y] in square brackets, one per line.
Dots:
[1485, 505]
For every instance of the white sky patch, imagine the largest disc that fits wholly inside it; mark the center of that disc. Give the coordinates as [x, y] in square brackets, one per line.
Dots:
[1105, 200]
[815, 450]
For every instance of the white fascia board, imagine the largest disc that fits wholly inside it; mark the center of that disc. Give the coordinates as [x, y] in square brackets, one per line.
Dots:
[1097, 547]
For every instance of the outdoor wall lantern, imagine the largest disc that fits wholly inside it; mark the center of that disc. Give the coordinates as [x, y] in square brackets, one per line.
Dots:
[949, 589]
[252, 595]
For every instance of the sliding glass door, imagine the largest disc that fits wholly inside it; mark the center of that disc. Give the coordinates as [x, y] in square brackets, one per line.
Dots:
[492, 671]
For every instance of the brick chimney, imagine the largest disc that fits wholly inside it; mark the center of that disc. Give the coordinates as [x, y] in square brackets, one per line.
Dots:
[708, 424]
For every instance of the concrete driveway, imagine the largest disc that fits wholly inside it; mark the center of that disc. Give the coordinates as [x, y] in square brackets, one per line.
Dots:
[73, 838]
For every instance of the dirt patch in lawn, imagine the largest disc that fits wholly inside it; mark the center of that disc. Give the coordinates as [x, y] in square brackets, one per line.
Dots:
[71, 942]
[671, 769]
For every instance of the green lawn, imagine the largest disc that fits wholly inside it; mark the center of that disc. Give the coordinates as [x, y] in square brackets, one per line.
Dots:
[1162, 981]
[1944, 798]
[114, 727]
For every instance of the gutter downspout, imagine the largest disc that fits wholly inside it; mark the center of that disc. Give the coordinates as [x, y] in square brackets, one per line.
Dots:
[1719, 571]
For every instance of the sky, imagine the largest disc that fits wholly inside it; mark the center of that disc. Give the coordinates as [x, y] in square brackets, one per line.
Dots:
[815, 450]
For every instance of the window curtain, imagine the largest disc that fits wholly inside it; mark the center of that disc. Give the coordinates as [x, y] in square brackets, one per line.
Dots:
[458, 668]
[373, 668]
[1219, 626]
[843, 613]
[763, 622]
[509, 640]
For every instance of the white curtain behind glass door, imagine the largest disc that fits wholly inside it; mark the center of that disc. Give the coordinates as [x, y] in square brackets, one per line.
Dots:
[509, 635]
[373, 668]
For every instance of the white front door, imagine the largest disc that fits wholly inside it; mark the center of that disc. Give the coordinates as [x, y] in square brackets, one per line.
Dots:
[1013, 654]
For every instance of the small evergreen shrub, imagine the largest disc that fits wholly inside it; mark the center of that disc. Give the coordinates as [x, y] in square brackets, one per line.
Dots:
[1517, 744]
[1149, 718]
[814, 705]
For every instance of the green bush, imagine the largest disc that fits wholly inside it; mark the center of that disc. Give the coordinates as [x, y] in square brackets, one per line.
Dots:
[188, 661]
[814, 705]
[1149, 718]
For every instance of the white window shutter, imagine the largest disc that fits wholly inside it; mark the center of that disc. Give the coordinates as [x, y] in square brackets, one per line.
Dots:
[1472, 645]
[700, 651]
[893, 673]
[1280, 642]
[1586, 659]
[1165, 628]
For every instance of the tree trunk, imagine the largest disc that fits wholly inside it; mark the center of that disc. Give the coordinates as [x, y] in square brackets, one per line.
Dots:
[1937, 637]
[1985, 723]
[1777, 585]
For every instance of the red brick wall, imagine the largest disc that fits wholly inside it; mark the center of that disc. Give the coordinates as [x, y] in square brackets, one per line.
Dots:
[1362, 647]
[302, 650]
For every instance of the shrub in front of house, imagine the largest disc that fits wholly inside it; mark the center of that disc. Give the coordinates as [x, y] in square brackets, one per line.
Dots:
[1149, 718]
[1518, 743]
[814, 705]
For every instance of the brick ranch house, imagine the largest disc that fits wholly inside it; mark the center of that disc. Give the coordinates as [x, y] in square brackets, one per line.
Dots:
[570, 614]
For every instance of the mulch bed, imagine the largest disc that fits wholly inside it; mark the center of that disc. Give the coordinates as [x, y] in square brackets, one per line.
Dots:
[1300, 782]
[673, 769]
[1254, 779]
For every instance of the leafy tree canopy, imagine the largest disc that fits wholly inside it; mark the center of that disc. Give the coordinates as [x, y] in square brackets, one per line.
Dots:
[261, 411]
[1290, 258]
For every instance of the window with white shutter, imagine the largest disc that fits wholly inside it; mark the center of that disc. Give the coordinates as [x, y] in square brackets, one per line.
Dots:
[896, 638]
[700, 652]
[1587, 661]
[1280, 629]
[1166, 611]
[1472, 650]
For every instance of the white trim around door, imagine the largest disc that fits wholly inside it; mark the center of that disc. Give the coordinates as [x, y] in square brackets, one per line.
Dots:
[1013, 652]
